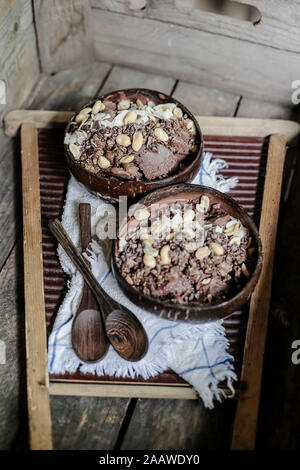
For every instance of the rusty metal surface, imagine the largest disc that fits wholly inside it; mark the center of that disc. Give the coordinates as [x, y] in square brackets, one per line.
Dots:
[246, 158]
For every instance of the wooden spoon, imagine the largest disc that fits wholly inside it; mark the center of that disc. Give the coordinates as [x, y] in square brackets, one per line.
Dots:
[89, 340]
[124, 331]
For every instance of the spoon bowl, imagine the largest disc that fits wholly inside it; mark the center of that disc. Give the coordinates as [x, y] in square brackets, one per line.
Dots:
[124, 333]
[87, 336]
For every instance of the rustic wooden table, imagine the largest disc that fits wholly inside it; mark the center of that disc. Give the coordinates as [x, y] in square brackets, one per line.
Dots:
[110, 423]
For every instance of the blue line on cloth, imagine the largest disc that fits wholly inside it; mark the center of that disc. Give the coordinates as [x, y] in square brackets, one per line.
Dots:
[205, 367]
[161, 329]
[67, 321]
[207, 360]
[54, 342]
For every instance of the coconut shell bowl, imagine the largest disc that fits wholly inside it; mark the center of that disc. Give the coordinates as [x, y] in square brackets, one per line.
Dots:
[195, 311]
[111, 184]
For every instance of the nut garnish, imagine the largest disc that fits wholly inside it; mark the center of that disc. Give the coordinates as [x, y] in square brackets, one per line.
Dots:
[235, 240]
[203, 206]
[245, 271]
[137, 141]
[165, 255]
[103, 162]
[178, 112]
[231, 229]
[195, 148]
[80, 117]
[130, 117]
[123, 104]
[202, 252]
[161, 135]
[190, 125]
[141, 214]
[149, 250]
[188, 215]
[217, 248]
[149, 261]
[139, 102]
[98, 106]
[123, 140]
[75, 151]
[127, 159]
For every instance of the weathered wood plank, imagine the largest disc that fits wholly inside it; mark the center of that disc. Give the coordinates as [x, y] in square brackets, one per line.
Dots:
[205, 101]
[178, 424]
[65, 33]
[85, 423]
[12, 372]
[18, 58]
[35, 327]
[228, 63]
[10, 192]
[277, 29]
[70, 89]
[123, 77]
[279, 426]
[225, 126]
[244, 432]
[262, 109]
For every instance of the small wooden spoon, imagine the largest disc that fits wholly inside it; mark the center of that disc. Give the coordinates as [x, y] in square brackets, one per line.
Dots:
[89, 340]
[124, 331]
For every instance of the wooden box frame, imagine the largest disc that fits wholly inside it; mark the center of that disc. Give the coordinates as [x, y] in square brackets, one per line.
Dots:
[38, 386]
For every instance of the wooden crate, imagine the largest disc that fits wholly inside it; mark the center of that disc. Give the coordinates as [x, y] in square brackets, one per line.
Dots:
[38, 384]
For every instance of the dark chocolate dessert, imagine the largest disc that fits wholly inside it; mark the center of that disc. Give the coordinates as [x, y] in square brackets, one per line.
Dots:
[132, 137]
[187, 253]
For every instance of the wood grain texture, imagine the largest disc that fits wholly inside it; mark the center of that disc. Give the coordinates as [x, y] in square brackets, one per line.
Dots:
[19, 57]
[65, 33]
[205, 101]
[277, 29]
[87, 423]
[210, 125]
[12, 372]
[10, 196]
[244, 432]
[178, 424]
[36, 345]
[123, 77]
[279, 425]
[70, 89]
[228, 63]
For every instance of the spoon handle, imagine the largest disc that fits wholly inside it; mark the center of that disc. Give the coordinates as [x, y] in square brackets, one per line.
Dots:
[88, 298]
[63, 238]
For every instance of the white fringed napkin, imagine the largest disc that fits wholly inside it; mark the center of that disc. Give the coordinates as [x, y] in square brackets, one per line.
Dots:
[198, 353]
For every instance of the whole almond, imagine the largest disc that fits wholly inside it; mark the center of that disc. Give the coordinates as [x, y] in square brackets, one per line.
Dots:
[130, 117]
[217, 248]
[98, 106]
[165, 255]
[123, 140]
[190, 125]
[103, 162]
[161, 135]
[149, 261]
[127, 159]
[178, 112]
[202, 252]
[137, 141]
[75, 151]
